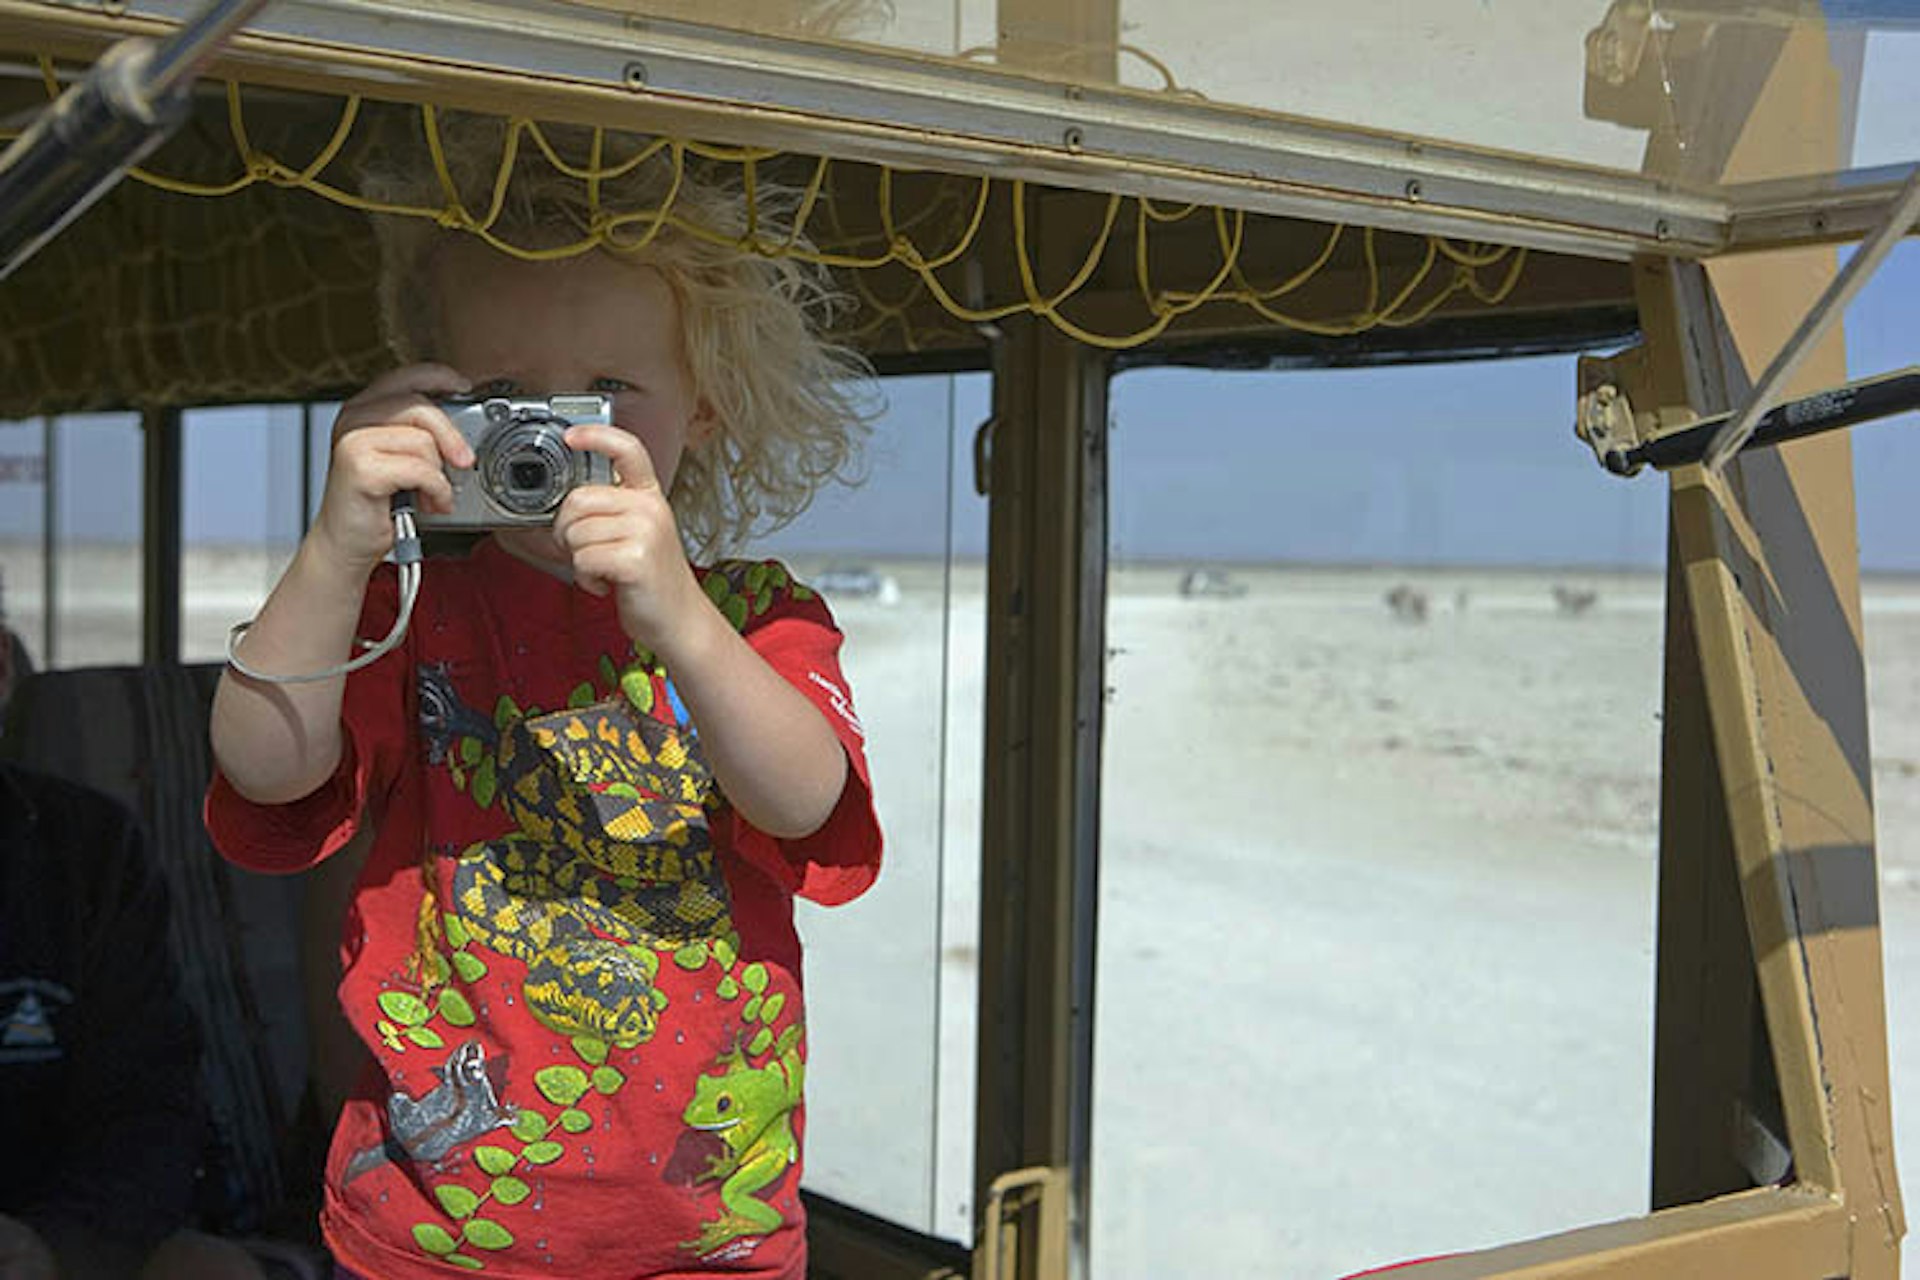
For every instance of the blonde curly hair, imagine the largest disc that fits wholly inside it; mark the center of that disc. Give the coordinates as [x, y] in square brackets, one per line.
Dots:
[789, 417]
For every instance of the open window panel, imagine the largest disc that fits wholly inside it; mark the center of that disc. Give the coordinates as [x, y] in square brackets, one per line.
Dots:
[1043, 212]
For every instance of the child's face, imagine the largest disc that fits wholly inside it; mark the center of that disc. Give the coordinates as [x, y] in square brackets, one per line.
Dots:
[589, 323]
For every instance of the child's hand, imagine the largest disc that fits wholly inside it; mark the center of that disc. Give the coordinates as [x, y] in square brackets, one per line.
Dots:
[389, 438]
[622, 538]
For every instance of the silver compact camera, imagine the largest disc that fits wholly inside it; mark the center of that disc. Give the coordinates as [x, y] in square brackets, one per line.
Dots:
[522, 466]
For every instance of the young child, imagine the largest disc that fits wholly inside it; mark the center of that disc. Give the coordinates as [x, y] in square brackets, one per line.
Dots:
[595, 775]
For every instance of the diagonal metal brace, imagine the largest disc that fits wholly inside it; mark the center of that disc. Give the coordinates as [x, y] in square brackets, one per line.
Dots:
[1851, 278]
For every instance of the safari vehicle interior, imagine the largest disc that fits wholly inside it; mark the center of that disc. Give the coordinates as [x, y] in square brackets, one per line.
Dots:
[1040, 206]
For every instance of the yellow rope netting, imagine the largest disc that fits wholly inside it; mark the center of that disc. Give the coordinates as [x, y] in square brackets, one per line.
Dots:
[937, 238]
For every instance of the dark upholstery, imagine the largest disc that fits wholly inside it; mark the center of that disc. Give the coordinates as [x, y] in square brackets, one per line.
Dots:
[140, 734]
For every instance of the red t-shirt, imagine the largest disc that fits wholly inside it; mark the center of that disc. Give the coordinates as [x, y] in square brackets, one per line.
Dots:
[575, 966]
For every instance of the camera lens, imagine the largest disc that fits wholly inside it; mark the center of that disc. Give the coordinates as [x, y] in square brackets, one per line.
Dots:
[528, 476]
[525, 466]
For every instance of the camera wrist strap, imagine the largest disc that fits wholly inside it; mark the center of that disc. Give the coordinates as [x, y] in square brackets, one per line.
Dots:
[406, 554]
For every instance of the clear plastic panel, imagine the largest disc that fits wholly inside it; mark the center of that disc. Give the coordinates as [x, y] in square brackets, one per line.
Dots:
[243, 516]
[891, 977]
[1379, 822]
[1631, 85]
[97, 466]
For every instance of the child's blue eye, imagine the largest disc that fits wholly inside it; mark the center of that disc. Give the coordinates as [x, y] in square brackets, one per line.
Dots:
[495, 387]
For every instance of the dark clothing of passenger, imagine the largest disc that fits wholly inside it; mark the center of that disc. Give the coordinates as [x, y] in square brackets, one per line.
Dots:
[98, 1057]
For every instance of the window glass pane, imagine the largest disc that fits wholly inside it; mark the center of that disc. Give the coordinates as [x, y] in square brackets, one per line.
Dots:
[1886, 461]
[891, 976]
[23, 509]
[319, 452]
[1379, 821]
[97, 461]
[242, 517]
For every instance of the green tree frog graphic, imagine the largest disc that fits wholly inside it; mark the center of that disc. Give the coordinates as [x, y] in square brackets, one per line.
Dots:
[749, 1110]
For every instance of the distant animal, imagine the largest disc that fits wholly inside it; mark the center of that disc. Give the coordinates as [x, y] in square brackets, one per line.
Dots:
[1573, 601]
[1409, 604]
[1211, 582]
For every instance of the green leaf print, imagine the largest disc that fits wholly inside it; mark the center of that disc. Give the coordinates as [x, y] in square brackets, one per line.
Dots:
[454, 1008]
[788, 1038]
[543, 1152]
[574, 1120]
[763, 601]
[727, 988]
[485, 1233]
[717, 588]
[456, 1200]
[462, 1260]
[608, 1079]
[736, 610]
[802, 594]
[756, 576]
[494, 1160]
[505, 711]
[529, 1126]
[404, 1007]
[724, 952]
[582, 696]
[471, 749]
[591, 1051]
[426, 1037]
[751, 1012]
[469, 966]
[484, 784]
[456, 928]
[433, 1237]
[638, 688]
[608, 675]
[761, 1039]
[755, 977]
[561, 1085]
[770, 1011]
[510, 1191]
[692, 956]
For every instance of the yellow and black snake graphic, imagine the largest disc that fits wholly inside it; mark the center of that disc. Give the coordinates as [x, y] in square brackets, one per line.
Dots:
[611, 862]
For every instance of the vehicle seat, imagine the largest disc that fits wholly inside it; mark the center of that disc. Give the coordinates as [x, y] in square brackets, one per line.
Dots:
[140, 734]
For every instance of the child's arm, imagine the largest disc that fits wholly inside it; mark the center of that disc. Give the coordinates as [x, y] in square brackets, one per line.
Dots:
[279, 742]
[772, 752]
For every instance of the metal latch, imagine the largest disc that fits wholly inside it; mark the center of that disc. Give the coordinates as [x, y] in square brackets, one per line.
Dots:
[1032, 1200]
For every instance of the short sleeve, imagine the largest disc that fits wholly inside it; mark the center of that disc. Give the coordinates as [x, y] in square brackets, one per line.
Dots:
[285, 838]
[838, 862]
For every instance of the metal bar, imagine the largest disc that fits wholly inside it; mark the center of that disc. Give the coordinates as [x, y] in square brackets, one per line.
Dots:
[1815, 209]
[1866, 400]
[1773, 1234]
[1045, 653]
[968, 118]
[49, 543]
[74, 152]
[306, 468]
[184, 57]
[1711, 1055]
[161, 516]
[1852, 277]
